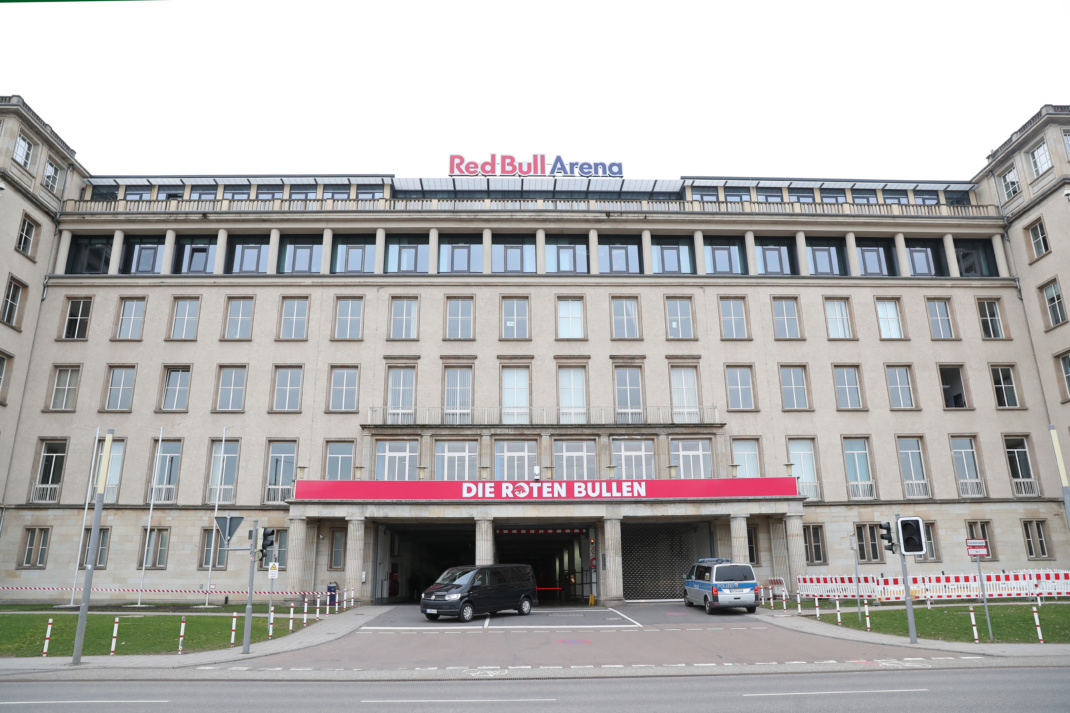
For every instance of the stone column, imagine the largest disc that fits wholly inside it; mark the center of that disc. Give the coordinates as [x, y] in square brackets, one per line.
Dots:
[648, 254]
[64, 251]
[432, 252]
[488, 264]
[298, 556]
[779, 543]
[739, 538]
[802, 256]
[722, 458]
[902, 256]
[853, 268]
[380, 250]
[661, 457]
[612, 577]
[354, 554]
[723, 539]
[540, 252]
[1001, 256]
[366, 590]
[168, 252]
[949, 255]
[484, 541]
[592, 251]
[700, 254]
[796, 553]
[273, 252]
[752, 252]
[221, 252]
[328, 251]
[116, 253]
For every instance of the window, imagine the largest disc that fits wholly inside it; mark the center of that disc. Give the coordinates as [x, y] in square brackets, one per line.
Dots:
[294, 323]
[691, 458]
[870, 546]
[287, 388]
[774, 258]
[891, 327]
[825, 256]
[954, 387]
[1036, 545]
[517, 257]
[814, 543]
[733, 318]
[50, 472]
[848, 387]
[745, 455]
[348, 317]
[625, 318]
[1053, 299]
[912, 467]
[239, 318]
[131, 318]
[231, 388]
[340, 461]
[634, 459]
[1038, 238]
[932, 544]
[515, 318]
[833, 195]
[344, 388]
[89, 256]
[838, 319]
[859, 478]
[804, 466]
[991, 324]
[570, 318]
[236, 193]
[460, 257]
[353, 255]
[1040, 159]
[736, 194]
[401, 394]
[397, 460]
[876, 258]
[575, 460]
[572, 398]
[165, 473]
[1064, 368]
[964, 454]
[406, 255]
[27, 232]
[459, 323]
[515, 395]
[170, 193]
[793, 387]
[203, 193]
[567, 255]
[10, 313]
[5, 361]
[724, 257]
[458, 399]
[176, 389]
[300, 256]
[770, 195]
[863, 195]
[282, 465]
[141, 256]
[224, 472]
[1003, 382]
[900, 392]
[211, 542]
[112, 470]
[740, 387]
[979, 530]
[184, 322]
[153, 542]
[23, 151]
[674, 259]
[926, 197]
[302, 193]
[456, 460]
[1011, 186]
[752, 545]
[65, 388]
[338, 549]
[194, 255]
[785, 318]
[618, 258]
[249, 257]
[800, 195]
[629, 391]
[895, 197]
[1021, 468]
[120, 388]
[103, 544]
[940, 319]
[679, 317]
[515, 460]
[35, 547]
[684, 382]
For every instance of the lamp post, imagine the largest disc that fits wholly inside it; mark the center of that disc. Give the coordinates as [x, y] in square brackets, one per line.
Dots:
[85, 512]
[218, 487]
[94, 541]
[152, 502]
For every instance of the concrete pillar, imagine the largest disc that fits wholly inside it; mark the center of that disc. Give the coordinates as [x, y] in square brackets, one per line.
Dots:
[802, 256]
[949, 255]
[1001, 256]
[64, 251]
[546, 457]
[592, 251]
[723, 539]
[796, 553]
[299, 555]
[273, 252]
[366, 590]
[540, 252]
[739, 538]
[328, 251]
[484, 541]
[902, 256]
[487, 259]
[116, 253]
[432, 252]
[221, 252]
[721, 457]
[380, 250]
[648, 254]
[852, 256]
[752, 252]
[354, 553]
[700, 254]
[168, 252]
[779, 543]
[613, 576]
[661, 457]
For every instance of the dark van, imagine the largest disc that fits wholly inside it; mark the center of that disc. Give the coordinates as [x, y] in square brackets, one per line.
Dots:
[464, 592]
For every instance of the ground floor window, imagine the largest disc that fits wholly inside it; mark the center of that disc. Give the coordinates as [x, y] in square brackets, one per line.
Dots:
[752, 545]
[932, 545]
[1036, 543]
[981, 529]
[157, 540]
[35, 547]
[870, 545]
[814, 543]
[338, 550]
[211, 541]
[102, 548]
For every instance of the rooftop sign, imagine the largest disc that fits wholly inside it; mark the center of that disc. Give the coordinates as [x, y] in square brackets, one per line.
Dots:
[506, 165]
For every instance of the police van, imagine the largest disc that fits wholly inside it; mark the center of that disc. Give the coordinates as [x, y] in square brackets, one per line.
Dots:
[717, 582]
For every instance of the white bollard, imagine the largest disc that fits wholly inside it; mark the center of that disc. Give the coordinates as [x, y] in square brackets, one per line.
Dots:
[337, 594]
[317, 607]
[271, 623]
[291, 618]
[1036, 618]
[866, 604]
[817, 608]
[344, 594]
[48, 635]
[798, 601]
[762, 596]
[784, 601]
[352, 596]
[114, 636]
[181, 635]
[928, 599]
[304, 622]
[973, 623]
[839, 621]
[233, 627]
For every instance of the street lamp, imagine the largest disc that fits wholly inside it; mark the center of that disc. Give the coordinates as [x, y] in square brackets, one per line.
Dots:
[85, 513]
[218, 488]
[152, 502]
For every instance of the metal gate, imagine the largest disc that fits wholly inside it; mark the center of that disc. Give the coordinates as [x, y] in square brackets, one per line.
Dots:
[653, 558]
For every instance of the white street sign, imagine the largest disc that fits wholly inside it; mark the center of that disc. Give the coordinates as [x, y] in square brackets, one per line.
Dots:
[273, 570]
[976, 547]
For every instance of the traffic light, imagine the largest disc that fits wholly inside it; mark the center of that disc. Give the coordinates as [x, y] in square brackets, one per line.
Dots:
[911, 535]
[886, 535]
[266, 541]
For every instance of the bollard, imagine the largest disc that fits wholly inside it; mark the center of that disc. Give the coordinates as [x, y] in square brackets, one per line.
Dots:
[304, 622]
[114, 636]
[798, 601]
[973, 623]
[784, 601]
[335, 602]
[317, 607]
[181, 635]
[48, 635]
[817, 608]
[866, 604]
[928, 599]
[233, 627]
[271, 623]
[1036, 618]
[352, 597]
[762, 596]
[291, 618]
[345, 599]
[1039, 603]
[839, 622]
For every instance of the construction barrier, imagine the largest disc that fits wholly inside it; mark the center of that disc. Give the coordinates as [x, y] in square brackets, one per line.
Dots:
[778, 589]
[1022, 584]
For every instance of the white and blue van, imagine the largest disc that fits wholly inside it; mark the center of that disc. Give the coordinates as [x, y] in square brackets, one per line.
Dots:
[716, 582]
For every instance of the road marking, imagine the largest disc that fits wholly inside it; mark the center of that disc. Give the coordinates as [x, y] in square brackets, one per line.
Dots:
[735, 628]
[704, 664]
[456, 700]
[829, 661]
[416, 628]
[913, 659]
[670, 629]
[211, 668]
[550, 667]
[280, 668]
[520, 667]
[765, 663]
[694, 629]
[581, 666]
[300, 669]
[943, 658]
[835, 693]
[26, 703]
[240, 668]
[626, 617]
[429, 668]
[612, 665]
[486, 623]
[674, 665]
[642, 665]
[971, 657]
[788, 662]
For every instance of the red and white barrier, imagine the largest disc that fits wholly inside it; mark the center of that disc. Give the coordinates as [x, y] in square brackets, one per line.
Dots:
[114, 636]
[48, 636]
[778, 588]
[1004, 585]
[973, 624]
[1036, 618]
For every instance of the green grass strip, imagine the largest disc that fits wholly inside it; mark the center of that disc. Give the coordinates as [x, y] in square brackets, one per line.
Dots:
[1011, 623]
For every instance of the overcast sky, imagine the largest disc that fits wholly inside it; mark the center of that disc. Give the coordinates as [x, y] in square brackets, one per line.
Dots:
[854, 89]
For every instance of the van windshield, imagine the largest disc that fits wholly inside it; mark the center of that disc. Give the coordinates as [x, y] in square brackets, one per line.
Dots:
[456, 575]
[734, 573]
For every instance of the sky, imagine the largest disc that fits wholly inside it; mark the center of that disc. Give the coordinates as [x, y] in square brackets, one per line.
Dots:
[900, 90]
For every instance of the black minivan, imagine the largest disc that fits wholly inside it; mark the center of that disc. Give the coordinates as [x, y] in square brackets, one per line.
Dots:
[464, 592]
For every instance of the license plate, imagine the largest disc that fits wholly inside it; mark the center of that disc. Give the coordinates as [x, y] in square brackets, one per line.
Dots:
[431, 611]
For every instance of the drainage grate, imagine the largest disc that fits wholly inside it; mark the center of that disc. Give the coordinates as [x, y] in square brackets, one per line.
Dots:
[654, 556]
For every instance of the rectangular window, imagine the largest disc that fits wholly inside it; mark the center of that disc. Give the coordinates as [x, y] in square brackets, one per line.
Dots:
[572, 397]
[634, 459]
[403, 318]
[848, 387]
[168, 458]
[785, 318]
[65, 388]
[515, 460]
[224, 472]
[1011, 186]
[991, 324]
[89, 256]
[338, 549]
[774, 259]
[967, 473]
[9, 311]
[954, 387]
[800, 195]
[344, 388]
[194, 255]
[1040, 159]
[282, 466]
[833, 195]
[1038, 239]
[1036, 543]
[348, 318]
[27, 232]
[5, 360]
[745, 456]
[298, 257]
[752, 545]
[231, 388]
[733, 318]
[239, 318]
[859, 478]
[458, 397]
[678, 316]
[740, 387]
[113, 470]
[570, 318]
[566, 257]
[515, 318]
[1020, 466]
[397, 460]
[51, 177]
[154, 543]
[770, 195]
[912, 467]
[340, 461]
[891, 326]
[814, 543]
[186, 314]
[895, 197]
[103, 545]
[460, 257]
[50, 472]
[176, 389]
[1064, 369]
[1053, 300]
[1003, 382]
[515, 258]
[131, 318]
[980, 529]
[932, 544]
[684, 383]
[804, 466]
[23, 151]
[618, 258]
[671, 259]
[35, 547]
[575, 460]
[353, 257]
[459, 322]
[940, 319]
[724, 257]
[249, 258]
[876, 258]
[629, 392]
[838, 318]
[406, 255]
[692, 458]
[120, 388]
[401, 395]
[287, 388]
[793, 387]
[625, 318]
[515, 390]
[294, 323]
[900, 391]
[870, 546]
[457, 460]
[211, 542]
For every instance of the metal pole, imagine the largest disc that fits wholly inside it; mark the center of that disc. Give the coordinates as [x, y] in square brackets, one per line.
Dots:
[984, 598]
[271, 582]
[858, 584]
[1062, 471]
[148, 528]
[249, 601]
[94, 540]
[906, 590]
[219, 485]
[85, 512]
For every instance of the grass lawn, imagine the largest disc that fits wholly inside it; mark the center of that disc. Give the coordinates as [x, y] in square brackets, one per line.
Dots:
[1011, 623]
[24, 635]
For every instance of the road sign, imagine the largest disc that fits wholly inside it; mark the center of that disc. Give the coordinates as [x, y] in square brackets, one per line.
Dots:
[976, 547]
[273, 570]
[592, 563]
[228, 525]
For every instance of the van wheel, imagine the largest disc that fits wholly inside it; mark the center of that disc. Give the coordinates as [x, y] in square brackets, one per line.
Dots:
[525, 607]
[432, 617]
[751, 610]
[466, 613]
[709, 606]
[688, 602]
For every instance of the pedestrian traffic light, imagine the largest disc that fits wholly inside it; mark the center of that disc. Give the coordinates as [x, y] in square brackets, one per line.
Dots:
[886, 535]
[267, 541]
[911, 535]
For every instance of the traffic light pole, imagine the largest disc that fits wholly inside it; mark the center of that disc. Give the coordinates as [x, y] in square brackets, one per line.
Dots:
[249, 601]
[907, 595]
[984, 598]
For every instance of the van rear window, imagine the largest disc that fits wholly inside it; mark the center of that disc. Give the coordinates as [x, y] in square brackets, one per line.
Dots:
[734, 573]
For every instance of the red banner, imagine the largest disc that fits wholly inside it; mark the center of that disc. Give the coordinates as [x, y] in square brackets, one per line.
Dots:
[549, 490]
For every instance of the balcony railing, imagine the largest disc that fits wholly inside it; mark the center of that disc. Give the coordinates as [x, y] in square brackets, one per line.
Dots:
[810, 489]
[450, 205]
[1025, 487]
[223, 494]
[862, 491]
[44, 494]
[111, 493]
[916, 488]
[163, 493]
[279, 493]
[971, 488]
[540, 416]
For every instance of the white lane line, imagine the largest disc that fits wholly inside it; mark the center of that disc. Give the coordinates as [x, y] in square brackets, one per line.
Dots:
[429, 668]
[739, 628]
[562, 611]
[520, 667]
[300, 669]
[829, 661]
[914, 659]
[673, 665]
[943, 658]
[835, 693]
[612, 665]
[642, 665]
[459, 700]
[211, 668]
[240, 668]
[486, 623]
[575, 626]
[626, 617]
[550, 666]
[588, 666]
[694, 630]
[971, 657]
[26, 703]
[765, 663]
[415, 628]
[704, 664]
[279, 669]
[787, 662]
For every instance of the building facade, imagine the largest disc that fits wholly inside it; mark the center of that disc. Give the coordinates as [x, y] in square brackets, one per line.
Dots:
[604, 377]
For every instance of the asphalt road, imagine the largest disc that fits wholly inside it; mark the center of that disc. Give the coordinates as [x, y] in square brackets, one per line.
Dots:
[1033, 690]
